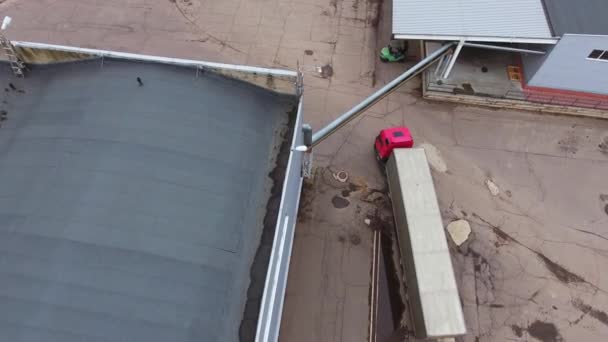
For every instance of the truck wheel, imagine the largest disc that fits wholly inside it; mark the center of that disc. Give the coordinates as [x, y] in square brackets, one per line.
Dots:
[376, 154]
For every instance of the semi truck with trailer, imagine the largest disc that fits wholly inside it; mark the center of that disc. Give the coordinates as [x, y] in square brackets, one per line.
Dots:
[433, 299]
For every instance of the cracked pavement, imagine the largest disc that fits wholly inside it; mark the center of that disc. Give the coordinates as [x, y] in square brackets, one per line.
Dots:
[532, 268]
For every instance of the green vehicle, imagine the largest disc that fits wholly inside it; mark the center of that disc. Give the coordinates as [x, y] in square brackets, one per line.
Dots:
[391, 53]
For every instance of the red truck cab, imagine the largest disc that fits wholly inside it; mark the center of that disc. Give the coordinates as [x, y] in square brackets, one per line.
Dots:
[391, 138]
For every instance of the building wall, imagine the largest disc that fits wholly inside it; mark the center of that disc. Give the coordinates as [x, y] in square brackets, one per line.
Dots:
[567, 67]
[531, 63]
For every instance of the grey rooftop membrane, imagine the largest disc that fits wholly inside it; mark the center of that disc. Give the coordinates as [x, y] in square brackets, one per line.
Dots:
[132, 209]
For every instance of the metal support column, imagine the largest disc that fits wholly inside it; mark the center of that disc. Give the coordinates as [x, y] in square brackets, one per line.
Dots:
[448, 70]
[439, 67]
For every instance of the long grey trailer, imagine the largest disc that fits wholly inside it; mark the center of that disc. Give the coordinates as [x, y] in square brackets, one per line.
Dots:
[431, 286]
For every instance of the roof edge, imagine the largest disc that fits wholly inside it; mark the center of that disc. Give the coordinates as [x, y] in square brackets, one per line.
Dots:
[159, 59]
[275, 286]
[549, 41]
[586, 35]
[547, 17]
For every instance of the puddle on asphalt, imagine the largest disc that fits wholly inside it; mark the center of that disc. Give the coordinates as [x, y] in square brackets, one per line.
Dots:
[355, 239]
[603, 146]
[340, 202]
[543, 331]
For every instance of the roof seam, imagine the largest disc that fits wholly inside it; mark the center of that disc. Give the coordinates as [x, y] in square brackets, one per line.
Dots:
[548, 17]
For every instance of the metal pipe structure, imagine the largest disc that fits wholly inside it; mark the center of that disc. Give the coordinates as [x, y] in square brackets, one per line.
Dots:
[439, 65]
[379, 95]
[503, 48]
[158, 59]
[450, 66]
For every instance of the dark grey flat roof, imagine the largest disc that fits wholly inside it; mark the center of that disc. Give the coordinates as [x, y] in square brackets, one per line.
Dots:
[130, 212]
[578, 16]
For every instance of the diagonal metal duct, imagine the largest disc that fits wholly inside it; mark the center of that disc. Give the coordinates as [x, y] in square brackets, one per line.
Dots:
[380, 94]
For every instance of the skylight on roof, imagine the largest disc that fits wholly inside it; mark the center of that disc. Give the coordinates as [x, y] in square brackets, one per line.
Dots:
[598, 55]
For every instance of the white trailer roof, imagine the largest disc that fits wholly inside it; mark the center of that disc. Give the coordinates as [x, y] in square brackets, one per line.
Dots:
[517, 21]
[435, 281]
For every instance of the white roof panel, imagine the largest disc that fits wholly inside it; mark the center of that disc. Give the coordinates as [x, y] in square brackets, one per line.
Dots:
[488, 20]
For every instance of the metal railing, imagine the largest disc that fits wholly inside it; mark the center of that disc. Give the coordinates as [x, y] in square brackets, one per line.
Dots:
[271, 306]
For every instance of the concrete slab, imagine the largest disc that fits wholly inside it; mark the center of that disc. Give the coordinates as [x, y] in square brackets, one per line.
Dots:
[479, 72]
[549, 206]
[331, 261]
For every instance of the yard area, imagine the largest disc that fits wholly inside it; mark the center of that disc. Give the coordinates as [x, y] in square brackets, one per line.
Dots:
[532, 268]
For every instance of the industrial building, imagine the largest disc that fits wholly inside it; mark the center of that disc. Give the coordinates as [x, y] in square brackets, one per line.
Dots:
[537, 50]
[144, 198]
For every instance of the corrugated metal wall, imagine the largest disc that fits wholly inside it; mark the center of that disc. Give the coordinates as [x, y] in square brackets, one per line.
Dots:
[567, 66]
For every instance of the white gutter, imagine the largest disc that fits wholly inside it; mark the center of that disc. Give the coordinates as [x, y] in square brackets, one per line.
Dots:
[504, 48]
[551, 41]
[157, 59]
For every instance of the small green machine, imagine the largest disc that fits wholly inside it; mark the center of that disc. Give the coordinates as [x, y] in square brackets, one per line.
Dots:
[394, 52]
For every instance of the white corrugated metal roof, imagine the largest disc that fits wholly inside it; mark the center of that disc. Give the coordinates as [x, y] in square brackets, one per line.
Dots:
[482, 20]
